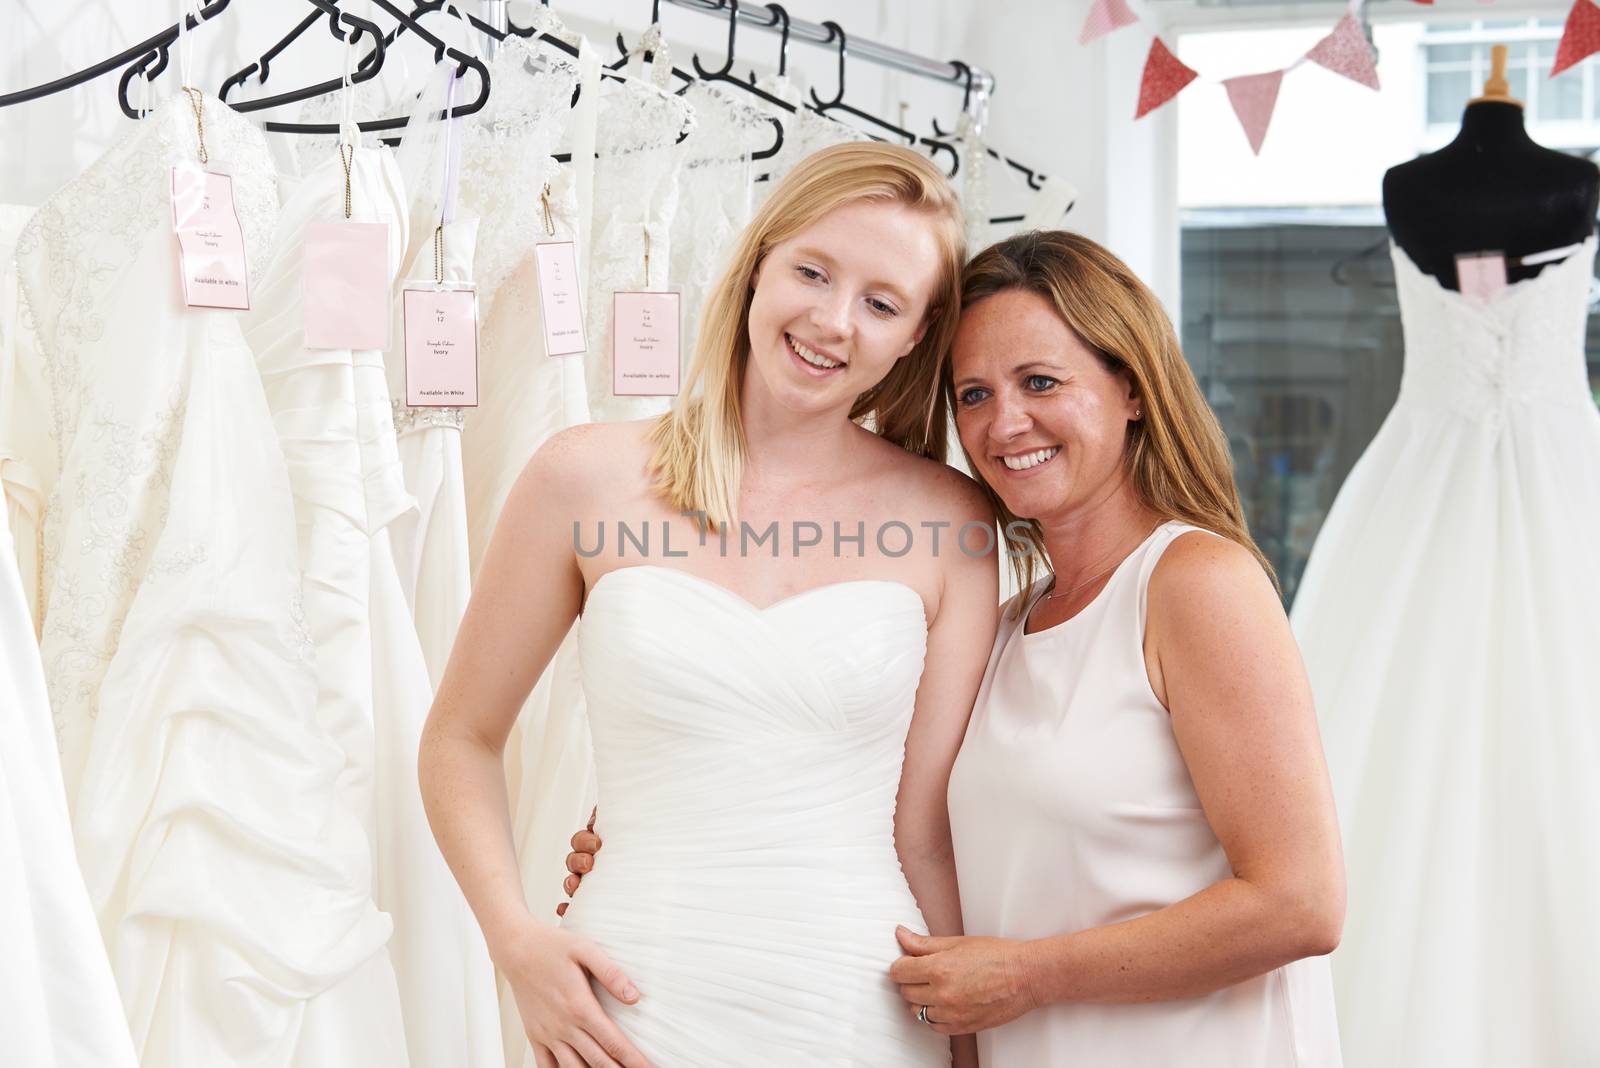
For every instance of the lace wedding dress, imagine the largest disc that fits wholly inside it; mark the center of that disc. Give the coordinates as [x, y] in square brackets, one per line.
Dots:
[716, 191]
[229, 875]
[1446, 621]
[24, 418]
[61, 1001]
[333, 417]
[749, 760]
[636, 189]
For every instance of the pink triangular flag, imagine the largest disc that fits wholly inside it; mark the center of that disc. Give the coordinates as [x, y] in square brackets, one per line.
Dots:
[1164, 75]
[1345, 51]
[1253, 97]
[1105, 16]
[1580, 38]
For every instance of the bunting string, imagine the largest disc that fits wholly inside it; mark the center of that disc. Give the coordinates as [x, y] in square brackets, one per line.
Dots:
[1344, 50]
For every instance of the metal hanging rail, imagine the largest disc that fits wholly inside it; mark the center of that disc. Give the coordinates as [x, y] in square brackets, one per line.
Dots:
[762, 17]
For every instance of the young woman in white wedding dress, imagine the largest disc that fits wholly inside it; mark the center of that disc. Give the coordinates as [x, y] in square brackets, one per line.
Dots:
[776, 701]
[1144, 833]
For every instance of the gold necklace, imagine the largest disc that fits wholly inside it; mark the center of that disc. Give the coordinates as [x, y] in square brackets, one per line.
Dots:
[1052, 592]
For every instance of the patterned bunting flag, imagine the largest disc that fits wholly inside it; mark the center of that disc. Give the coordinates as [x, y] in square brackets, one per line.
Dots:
[1345, 51]
[1164, 75]
[1580, 38]
[1253, 97]
[1105, 16]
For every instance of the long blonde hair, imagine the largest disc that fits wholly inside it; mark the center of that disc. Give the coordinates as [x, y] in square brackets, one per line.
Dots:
[1177, 455]
[699, 445]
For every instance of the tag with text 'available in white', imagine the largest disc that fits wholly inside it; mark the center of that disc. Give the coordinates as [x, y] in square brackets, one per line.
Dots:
[645, 339]
[211, 259]
[441, 335]
[557, 263]
[346, 285]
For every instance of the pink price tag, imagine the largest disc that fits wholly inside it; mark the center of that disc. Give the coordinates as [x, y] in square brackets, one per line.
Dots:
[1481, 276]
[346, 285]
[211, 260]
[644, 344]
[441, 325]
[557, 263]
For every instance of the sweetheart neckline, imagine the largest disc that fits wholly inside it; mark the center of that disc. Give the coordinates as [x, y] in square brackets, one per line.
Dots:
[750, 605]
[1512, 289]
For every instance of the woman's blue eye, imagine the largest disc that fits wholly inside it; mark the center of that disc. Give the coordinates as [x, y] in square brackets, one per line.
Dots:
[811, 274]
[883, 307]
[1033, 382]
[972, 396]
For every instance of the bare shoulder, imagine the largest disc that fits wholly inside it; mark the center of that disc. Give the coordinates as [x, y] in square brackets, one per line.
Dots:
[932, 489]
[1204, 582]
[586, 444]
[576, 463]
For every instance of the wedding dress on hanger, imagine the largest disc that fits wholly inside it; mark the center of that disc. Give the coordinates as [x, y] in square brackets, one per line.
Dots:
[333, 416]
[24, 418]
[61, 1001]
[522, 197]
[715, 199]
[230, 878]
[636, 188]
[1445, 617]
[430, 541]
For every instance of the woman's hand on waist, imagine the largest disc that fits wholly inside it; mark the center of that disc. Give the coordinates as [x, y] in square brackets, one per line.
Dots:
[548, 970]
[585, 844]
[966, 983]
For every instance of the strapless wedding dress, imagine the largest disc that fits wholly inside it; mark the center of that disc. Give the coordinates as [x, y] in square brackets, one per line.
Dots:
[748, 762]
[1447, 621]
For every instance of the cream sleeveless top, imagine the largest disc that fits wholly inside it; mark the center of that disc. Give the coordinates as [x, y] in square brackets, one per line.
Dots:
[1071, 807]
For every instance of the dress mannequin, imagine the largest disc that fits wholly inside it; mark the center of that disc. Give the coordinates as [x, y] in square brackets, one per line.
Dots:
[1491, 189]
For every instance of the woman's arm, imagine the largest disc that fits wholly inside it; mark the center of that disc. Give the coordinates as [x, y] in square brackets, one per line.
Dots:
[959, 642]
[526, 597]
[1226, 666]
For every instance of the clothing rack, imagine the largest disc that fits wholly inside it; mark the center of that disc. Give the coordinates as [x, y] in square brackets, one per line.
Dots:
[763, 17]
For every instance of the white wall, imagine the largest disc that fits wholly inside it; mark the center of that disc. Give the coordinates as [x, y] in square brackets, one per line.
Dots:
[1330, 140]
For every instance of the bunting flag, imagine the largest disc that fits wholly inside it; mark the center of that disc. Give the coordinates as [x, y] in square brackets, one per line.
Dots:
[1345, 51]
[1580, 38]
[1253, 97]
[1164, 75]
[1105, 16]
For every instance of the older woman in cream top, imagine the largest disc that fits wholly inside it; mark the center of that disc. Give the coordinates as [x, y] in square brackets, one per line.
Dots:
[1146, 846]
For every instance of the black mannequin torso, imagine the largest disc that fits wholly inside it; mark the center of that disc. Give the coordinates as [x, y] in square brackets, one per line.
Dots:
[1493, 188]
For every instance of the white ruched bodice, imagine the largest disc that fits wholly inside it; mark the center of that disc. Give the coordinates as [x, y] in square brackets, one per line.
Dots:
[748, 763]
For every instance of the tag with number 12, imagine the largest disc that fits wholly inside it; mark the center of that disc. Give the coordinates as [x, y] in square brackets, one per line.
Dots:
[441, 333]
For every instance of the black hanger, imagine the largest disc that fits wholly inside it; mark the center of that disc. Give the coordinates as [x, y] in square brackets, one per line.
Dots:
[264, 64]
[465, 62]
[150, 50]
[824, 107]
[1034, 179]
[780, 14]
[724, 74]
[1339, 272]
[365, 71]
[405, 20]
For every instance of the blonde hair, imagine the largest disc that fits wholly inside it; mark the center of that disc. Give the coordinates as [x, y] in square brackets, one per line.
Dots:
[699, 446]
[1177, 455]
